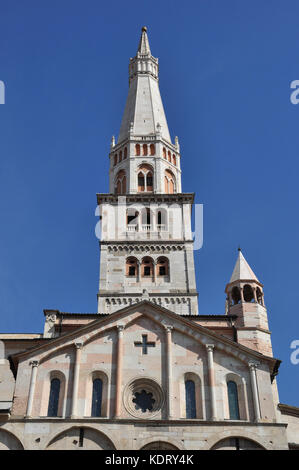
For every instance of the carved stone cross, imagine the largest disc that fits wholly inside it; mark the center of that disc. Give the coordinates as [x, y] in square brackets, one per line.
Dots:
[144, 344]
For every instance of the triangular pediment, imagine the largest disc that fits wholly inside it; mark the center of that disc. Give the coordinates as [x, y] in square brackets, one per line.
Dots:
[124, 317]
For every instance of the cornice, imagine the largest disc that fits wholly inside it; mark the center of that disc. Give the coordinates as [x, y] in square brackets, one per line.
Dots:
[185, 198]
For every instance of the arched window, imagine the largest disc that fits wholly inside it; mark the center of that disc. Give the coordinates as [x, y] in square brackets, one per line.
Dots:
[54, 397]
[174, 159]
[233, 402]
[248, 293]
[259, 296]
[131, 267]
[147, 267]
[120, 156]
[169, 156]
[236, 295]
[97, 391]
[162, 220]
[190, 399]
[137, 150]
[125, 152]
[115, 159]
[152, 149]
[121, 182]
[169, 182]
[162, 266]
[164, 152]
[145, 179]
[144, 150]
[132, 220]
[146, 216]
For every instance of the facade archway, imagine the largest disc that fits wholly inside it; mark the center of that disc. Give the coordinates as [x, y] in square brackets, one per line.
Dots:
[159, 445]
[9, 441]
[237, 443]
[81, 438]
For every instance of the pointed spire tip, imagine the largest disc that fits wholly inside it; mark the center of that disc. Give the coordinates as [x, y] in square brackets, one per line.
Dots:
[144, 29]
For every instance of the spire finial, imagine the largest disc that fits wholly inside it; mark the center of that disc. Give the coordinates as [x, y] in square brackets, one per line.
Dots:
[239, 248]
[144, 47]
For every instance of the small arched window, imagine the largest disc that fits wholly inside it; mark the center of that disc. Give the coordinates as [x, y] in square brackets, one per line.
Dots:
[120, 156]
[97, 391]
[121, 182]
[147, 267]
[131, 267]
[236, 295]
[144, 150]
[248, 293]
[152, 149]
[174, 159]
[259, 296]
[54, 398]
[125, 152]
[169, 156]
[164, 152]
[115, 159]
[169, 182]
[190, 399]
[137, 150]
[162, 220]
[162, 267]
[233, 402]
[145, 179]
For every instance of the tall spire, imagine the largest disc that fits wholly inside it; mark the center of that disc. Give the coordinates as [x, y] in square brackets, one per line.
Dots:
[242, 270]
[144, 47]
[144, 113]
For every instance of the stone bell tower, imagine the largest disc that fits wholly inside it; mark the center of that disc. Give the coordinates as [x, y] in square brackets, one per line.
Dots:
[146, 239]
[245, 299]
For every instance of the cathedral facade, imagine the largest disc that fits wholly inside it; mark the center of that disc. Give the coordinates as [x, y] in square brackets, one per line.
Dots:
[147, 371]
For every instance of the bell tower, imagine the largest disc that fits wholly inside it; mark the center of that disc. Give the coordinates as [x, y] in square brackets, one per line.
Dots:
[146, 239]
[245, 299]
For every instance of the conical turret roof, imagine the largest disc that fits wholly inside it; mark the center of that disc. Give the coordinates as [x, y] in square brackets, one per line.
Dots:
[242, 270]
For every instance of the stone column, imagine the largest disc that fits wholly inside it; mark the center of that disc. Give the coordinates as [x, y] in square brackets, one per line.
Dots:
[211, 374]
[34, 367]
[169, 369]
[119, 364]
[241, 294]
[256, 404]
[254, 294]
[76, 379]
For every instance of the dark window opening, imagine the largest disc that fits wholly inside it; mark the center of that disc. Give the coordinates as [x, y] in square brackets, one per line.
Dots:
[97, 389]
[132, 271]
[232, 391]
[147, 270]
[162, 271]
[144, 401]
[190, 399]
[54, 398]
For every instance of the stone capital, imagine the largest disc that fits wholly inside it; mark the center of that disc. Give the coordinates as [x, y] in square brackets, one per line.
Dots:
[79, 345]
[34, 363]
[253, 365]
[168, 328]
[210, 347]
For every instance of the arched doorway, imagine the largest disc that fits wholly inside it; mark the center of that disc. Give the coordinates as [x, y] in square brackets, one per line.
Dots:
[237, 443]
[159, 445]
[81, 438]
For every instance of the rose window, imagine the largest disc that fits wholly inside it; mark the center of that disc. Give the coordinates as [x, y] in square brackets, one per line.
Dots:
[144, 401]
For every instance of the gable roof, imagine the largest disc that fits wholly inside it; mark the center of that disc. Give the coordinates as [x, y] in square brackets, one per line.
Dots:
[159, 314]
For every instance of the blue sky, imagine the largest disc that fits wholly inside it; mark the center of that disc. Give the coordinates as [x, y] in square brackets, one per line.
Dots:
[225, 74]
